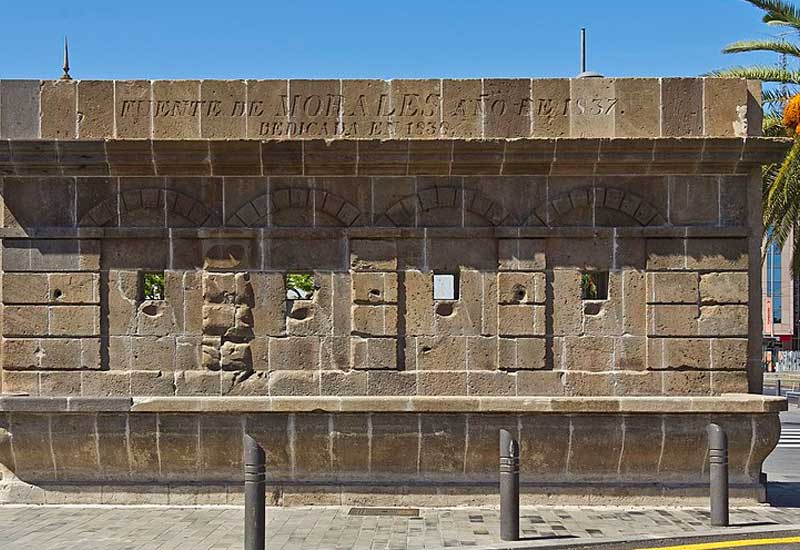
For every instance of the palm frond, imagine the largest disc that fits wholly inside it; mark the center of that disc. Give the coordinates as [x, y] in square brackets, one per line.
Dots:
[777, 95]
[779, 12]
[760, 72]
[773, 126]
[777, 46]
[782, 198]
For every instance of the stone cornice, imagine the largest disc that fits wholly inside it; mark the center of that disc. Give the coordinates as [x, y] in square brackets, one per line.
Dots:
[519, 157]
[728, 403]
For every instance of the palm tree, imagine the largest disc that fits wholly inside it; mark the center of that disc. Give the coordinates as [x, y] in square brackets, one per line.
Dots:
[781, 182]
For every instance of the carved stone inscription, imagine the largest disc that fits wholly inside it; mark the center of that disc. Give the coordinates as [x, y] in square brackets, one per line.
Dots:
[390, 114]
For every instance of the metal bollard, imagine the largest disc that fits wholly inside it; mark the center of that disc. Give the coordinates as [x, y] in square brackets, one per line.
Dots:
[718, 468]
[255, 482]
[509, 487]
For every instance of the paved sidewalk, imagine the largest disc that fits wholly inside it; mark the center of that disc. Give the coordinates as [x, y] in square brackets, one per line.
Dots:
[321, 528]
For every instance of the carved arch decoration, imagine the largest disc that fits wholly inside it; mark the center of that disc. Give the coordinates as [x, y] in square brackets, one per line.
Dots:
[599, 206]
[147, 199]
[259, 210]
[451, 203]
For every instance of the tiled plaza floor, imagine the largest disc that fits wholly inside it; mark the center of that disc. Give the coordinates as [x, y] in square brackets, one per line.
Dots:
[321, 528]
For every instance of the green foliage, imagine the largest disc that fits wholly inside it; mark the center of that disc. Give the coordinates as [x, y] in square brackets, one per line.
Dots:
[299, 285]
[781, 181]
[153, 286]
[588, 287]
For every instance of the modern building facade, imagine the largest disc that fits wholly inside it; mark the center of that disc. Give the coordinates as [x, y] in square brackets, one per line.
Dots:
[778, 290]
[372, 278]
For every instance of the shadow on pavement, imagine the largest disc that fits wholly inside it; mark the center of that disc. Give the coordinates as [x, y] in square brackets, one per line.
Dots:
[785, 494]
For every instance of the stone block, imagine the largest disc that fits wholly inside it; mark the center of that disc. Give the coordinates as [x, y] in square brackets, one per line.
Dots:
[218, 319]
[220, 446]
[724, 288]
[551, 107]
[666, 254]
[728, 354]
[176, 109]
[391, 383]
[455, 254]
[729, 382]
[521, 320]
[482, 435]
[74, 446]
[589, 384]
[672, 320]
[442, 445]
[725, 107]
[507, 107]
[269, 310]
[74, 321]
[106, 384]
[681, 107]
[322, 254]
[441, 353]
[589, 353]
[442, 383]
[685, 447]
[588, 254]
[267, 111]
[350, 444]
[33, 453]
[522, 254]
[682, 353]
[273, 431]
[132, 108]
[373, 353]
[26, 383]
[374, 288]
[592, 107]
[694, 200]
[419, 317]
[595, 446]
[461, 108]
[143, 442]
[522, 353]
[70, 353]
[521, 288]
[375, 320]
[344, 383]
[178, 446]
[395, 444]
[122, 294]
[25, 288]
[539, 461]
[49, 202]
[74, 288]
[294, 383]
[59, 117]
[60, 383]
[630, 353]
[95, 109]
[21, 353]
[716, 254]
[415, 108]
[112, 446]
[224, 113]
[672, 288]
[686, 383]
[542, 382]
[642, 447]
[364, 108]
[294, 353]
[565, 288]
[637, 111]
[481, 353]
[21, 122]
[491, 383]
[723, 320]
[25, 320]
[152, 352]
[156, 383]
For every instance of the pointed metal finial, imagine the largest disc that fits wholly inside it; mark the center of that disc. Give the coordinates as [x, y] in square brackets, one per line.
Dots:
[66, 75]
[584, 72]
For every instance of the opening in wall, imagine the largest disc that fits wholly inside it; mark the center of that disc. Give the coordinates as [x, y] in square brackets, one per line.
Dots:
[151, 284]
[594, 285]
[300, 286]
[445, 286]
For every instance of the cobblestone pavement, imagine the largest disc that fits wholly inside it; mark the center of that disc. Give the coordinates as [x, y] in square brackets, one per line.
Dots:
[321, 528]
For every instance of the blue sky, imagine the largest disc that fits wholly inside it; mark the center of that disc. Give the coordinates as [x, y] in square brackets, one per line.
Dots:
[350, 39]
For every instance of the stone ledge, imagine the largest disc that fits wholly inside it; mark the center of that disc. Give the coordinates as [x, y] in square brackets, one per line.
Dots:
[504, 232]
[728, 403]
[436, 157]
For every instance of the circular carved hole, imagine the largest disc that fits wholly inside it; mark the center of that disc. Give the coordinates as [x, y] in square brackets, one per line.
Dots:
[300, 313]
[592, 308]
[375, 293]
[426, 349]
[520, 293]
[444, 309]
[57, 294]
[150, 309]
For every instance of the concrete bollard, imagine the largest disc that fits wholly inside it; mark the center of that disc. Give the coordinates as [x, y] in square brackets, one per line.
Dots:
[509, 487]
[718, 469]
[255, 483]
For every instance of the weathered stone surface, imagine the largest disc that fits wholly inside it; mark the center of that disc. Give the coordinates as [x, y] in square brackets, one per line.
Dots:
[95, 109]
[22, 120]
[59, 118]
[672, 288]
[724, 288]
